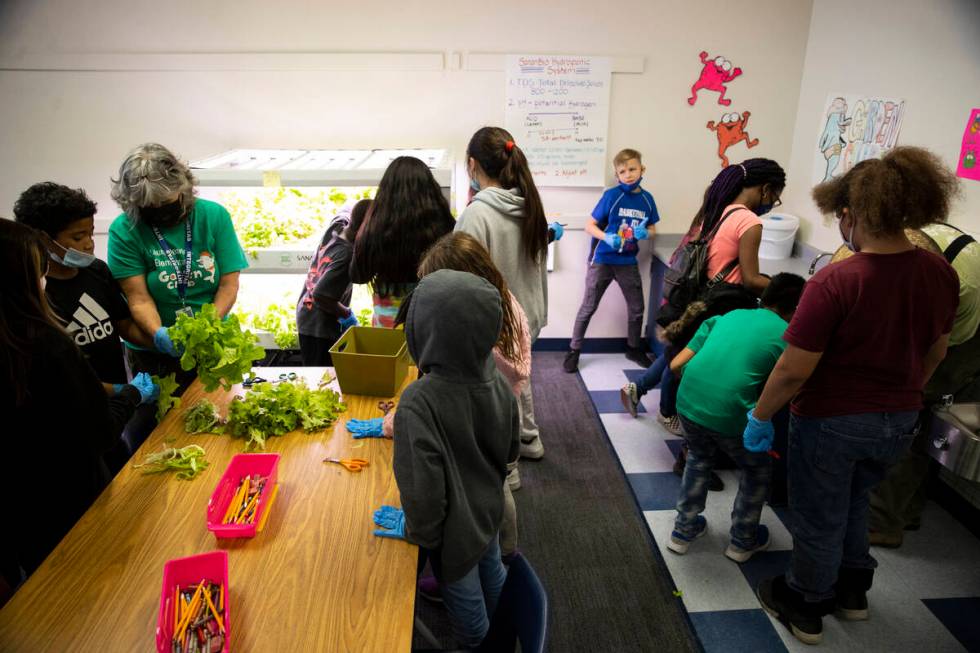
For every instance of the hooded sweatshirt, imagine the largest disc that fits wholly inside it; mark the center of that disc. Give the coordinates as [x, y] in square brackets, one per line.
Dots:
[456, 427]
[494, 218]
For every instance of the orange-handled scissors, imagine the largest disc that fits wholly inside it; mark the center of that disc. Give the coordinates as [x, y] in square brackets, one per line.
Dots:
[351, 464]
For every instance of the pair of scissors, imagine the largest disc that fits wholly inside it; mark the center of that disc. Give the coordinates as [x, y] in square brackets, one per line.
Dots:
[386, 406]
[351, 464]
[291, 376]
[255, 380]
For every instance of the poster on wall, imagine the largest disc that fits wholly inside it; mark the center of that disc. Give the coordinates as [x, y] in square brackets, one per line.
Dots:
[732, 129]
[968, 167]
[558, 111]
[855, 128]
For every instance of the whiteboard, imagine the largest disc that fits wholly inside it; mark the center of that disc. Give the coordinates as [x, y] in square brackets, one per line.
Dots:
[558, 112]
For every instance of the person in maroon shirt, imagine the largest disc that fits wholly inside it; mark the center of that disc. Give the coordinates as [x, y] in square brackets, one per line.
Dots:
[868, 333]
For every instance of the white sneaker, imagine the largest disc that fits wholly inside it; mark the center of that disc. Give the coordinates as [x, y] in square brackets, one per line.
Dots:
[672, 424]
[532, 450]
[513, 477]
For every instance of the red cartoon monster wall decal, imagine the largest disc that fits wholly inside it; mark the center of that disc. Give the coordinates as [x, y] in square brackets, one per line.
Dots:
[716, 73]
[731, 130]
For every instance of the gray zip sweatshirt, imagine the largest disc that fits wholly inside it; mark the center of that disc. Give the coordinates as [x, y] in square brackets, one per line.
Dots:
[494, 218]
[456, 427]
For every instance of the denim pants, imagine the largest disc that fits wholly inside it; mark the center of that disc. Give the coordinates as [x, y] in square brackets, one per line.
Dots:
[471, 600]
[753, 483]
[597, 279]
[659, 374]
[833, 464]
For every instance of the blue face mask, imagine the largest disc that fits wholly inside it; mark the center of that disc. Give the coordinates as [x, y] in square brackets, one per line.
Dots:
[475, 185]
[849, 240]
[762, 209]
[73, 258]
[629, 188]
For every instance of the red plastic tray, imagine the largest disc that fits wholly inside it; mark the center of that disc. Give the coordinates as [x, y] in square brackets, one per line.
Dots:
[243, 464]
[190, 571]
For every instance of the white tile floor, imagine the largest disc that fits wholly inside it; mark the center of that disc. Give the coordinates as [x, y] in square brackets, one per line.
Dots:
[941, 560]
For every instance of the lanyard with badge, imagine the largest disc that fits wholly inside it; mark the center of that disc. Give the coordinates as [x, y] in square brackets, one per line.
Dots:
[182, 276]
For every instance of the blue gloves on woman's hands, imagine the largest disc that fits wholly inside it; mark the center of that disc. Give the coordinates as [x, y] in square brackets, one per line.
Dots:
[613, 240]
[758, 434]
[348, 322]
[366, 428]
[392, 522]
[149, 391]
[163, 343]
[558, 229]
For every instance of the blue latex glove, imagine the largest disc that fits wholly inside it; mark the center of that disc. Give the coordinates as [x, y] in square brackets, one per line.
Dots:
[149, 391]
[640, 231]
[613, 240]
[348, 322]
[163, 343]
[392, 522]
[558, 229]
[758, 434]
[366, 428]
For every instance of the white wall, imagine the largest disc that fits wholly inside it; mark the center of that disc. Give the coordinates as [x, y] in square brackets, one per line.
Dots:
[924, 52]
[75, 127]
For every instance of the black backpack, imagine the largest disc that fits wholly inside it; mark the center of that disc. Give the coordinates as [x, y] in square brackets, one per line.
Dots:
[686, 279]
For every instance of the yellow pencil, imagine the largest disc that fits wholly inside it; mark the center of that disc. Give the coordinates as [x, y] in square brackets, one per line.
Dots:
[221, 625]
[233, 504]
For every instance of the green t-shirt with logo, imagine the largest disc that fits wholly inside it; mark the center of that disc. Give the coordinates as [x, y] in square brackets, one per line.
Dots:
[734, 355]
[135, 251]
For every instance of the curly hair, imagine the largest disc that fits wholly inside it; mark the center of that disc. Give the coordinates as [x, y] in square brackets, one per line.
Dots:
[149, 176]
[907, 188]
[51, 207]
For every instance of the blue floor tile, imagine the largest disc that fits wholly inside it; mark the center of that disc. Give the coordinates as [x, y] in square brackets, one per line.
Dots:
[655, 490]
[960, 616]
[607, 401]
[736, 630]
[763, 565]
[674, 444]
[634, 374]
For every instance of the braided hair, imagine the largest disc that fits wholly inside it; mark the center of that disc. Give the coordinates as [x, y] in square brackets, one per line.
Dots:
[729, 183]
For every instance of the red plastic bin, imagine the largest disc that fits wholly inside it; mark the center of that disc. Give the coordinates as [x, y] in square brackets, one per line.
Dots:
[242, 465]
[185, 572]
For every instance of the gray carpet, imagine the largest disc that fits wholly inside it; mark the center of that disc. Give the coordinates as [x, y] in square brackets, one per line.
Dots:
[581, 530]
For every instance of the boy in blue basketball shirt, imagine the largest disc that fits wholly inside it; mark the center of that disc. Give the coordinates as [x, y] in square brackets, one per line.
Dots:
[625, 215]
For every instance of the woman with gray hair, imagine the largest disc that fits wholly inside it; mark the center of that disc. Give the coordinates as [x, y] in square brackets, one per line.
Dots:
[171, 251]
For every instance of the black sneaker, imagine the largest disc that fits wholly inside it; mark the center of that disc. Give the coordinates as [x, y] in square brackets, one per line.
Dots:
[851, 590]
[787, 605]
[571, 361]
[636, 355]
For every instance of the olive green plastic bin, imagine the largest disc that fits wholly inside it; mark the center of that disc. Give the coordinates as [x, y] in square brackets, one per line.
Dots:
[371, 361]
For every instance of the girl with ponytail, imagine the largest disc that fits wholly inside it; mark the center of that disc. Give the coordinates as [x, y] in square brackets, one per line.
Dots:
[507, 217]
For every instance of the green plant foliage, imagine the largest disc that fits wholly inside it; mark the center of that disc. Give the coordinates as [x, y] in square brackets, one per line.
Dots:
[166, 400]
[272, 409]
[277, 319]
[202, 417]
[187, 461]
[364, 316]
[219, 349]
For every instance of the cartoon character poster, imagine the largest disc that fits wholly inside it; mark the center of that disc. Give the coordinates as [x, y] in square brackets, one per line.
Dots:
[968, 166]
[731, 130]
[855, 128]
[715, 74]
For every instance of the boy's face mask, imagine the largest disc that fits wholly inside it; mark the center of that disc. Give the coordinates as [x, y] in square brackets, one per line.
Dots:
[165, 215]
[72, 258]
[629, 188]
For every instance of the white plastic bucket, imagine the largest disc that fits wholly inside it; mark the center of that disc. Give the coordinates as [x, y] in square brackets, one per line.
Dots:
[778, 234]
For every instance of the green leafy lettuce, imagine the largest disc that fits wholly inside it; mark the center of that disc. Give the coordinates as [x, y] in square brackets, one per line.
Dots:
[277, 319]
[272, 409]
[166, 400]
[202, 417]
[187, 461]
[220, 350]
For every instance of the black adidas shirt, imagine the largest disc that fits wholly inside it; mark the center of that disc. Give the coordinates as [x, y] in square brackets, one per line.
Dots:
[90, 303]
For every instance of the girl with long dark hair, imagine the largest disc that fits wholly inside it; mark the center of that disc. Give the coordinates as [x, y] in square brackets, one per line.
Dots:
[409, 213]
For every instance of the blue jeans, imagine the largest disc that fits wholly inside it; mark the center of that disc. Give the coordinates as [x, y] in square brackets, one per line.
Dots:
[753, 483]
[659, 374]
[834, 462]
[471, 600]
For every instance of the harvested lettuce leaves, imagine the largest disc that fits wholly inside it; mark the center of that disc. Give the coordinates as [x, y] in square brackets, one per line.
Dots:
[202, 417]
[220, 350]
[187, 461]
[271, 409]
[166, 400]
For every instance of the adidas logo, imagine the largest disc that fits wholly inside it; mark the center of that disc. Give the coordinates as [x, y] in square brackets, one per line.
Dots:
[91, 323]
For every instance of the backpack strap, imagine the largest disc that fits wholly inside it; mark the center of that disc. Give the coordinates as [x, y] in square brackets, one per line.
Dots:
[957, 246]
[715, 229]
[724, 272]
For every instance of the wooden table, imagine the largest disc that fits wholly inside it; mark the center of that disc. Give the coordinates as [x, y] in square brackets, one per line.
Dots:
[316, 579]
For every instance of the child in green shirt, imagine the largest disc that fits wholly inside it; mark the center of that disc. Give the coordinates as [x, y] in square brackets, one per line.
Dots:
[724, 368]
